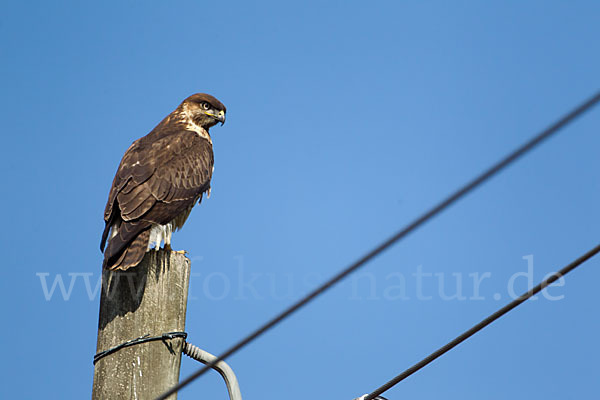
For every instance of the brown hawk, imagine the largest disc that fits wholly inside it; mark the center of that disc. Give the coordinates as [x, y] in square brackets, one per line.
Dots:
[160, 178]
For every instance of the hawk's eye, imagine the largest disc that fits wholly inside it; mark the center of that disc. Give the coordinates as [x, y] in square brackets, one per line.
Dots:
[205, 105]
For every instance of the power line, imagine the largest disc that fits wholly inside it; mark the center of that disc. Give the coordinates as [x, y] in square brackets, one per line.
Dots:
[468, 187]
[504, 310]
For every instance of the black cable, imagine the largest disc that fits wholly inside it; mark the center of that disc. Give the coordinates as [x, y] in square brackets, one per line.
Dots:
[458, 340]
[142, 339]
[503, 163]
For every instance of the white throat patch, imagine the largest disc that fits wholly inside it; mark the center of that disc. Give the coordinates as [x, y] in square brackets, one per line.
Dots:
[192, 126]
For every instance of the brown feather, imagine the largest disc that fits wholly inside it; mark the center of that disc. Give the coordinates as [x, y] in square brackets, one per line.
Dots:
[159, 179]
[132, 254]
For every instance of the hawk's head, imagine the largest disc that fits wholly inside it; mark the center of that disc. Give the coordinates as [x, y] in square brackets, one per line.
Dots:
[204, 110]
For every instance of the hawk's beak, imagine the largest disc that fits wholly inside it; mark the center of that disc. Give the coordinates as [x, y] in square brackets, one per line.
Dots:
[221, 117]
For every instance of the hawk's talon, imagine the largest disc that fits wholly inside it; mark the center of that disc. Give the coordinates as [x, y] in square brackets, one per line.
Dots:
[167, 247]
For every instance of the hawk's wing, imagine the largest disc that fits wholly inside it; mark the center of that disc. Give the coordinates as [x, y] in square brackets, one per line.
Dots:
[157, 179]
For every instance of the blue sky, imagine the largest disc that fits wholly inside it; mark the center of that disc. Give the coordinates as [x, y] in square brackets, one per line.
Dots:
[345, 121]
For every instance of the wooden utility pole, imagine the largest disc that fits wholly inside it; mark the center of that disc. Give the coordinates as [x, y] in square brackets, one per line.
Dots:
[149, 299]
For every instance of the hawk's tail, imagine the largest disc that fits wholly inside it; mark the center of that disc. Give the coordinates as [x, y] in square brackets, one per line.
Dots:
[120, 255]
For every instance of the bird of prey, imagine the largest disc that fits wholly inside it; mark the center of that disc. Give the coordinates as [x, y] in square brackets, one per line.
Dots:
[160, 178]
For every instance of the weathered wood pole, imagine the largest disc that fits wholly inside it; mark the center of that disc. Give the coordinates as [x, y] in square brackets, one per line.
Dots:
[150, 298]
